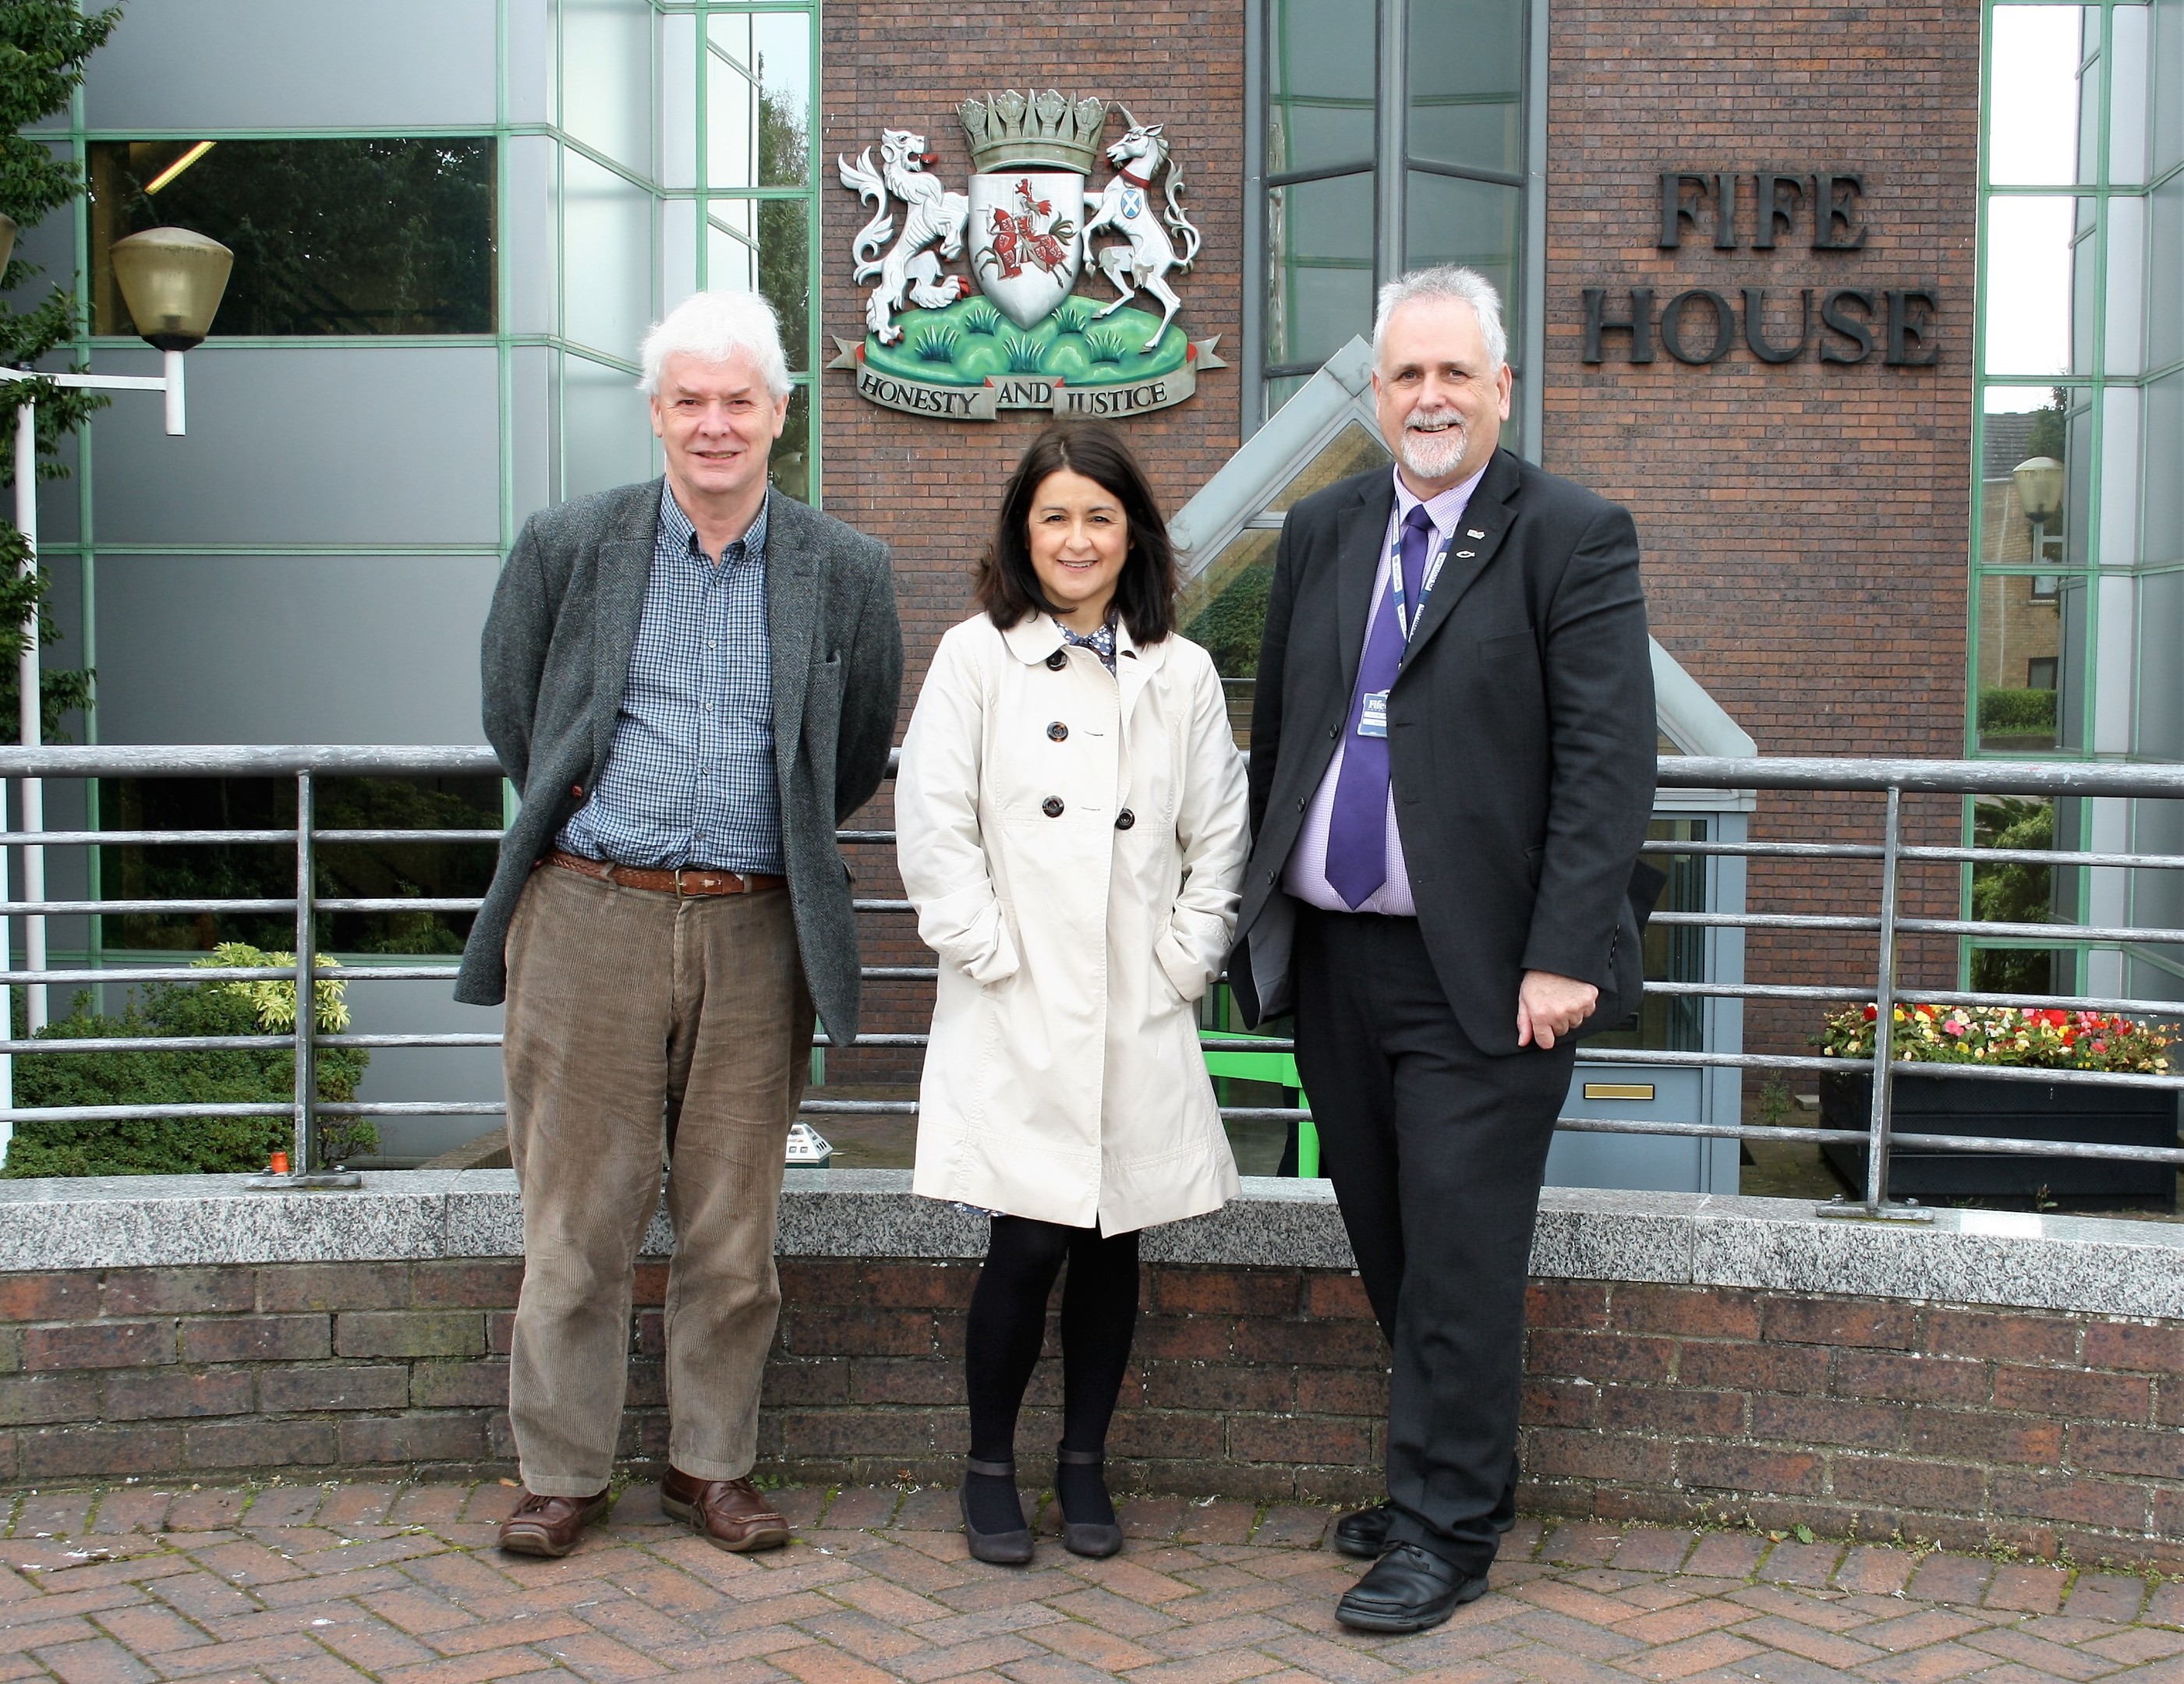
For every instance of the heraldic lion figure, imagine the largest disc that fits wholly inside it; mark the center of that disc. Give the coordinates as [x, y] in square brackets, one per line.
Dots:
[933, 215]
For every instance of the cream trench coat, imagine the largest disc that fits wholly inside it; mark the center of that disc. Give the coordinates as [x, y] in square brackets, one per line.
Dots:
[1073, 844]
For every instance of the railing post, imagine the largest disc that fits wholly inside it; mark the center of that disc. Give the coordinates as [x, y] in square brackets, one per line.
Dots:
[30, 716]
[1879, 1117]
[307, 994]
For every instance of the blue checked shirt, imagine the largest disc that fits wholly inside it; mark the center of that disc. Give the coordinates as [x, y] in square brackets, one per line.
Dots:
[690, 779]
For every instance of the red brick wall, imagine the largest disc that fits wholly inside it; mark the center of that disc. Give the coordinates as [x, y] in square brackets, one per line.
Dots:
[1805, 527]
[929, 487]
[1858, 1417]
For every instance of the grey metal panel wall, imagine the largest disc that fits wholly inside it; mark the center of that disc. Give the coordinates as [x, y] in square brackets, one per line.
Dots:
[307, 445]
[296, 64]
[285, 649]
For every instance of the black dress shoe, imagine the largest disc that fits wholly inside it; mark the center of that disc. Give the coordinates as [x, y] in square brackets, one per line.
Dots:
[1009, 1546]
[1363, 1532]
[1095, 1538]
[1408, 1589]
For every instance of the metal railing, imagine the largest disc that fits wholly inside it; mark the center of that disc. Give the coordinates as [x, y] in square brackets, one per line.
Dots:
[1892, 779]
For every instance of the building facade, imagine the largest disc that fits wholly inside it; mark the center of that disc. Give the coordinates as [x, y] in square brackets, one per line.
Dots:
[1803, 285]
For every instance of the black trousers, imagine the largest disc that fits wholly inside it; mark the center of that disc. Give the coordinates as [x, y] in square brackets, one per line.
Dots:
[1437, 1152]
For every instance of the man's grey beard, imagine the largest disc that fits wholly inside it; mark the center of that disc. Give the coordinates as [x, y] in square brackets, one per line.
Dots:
[1432, 455]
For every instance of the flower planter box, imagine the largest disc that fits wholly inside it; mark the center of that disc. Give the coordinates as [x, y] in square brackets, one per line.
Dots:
[1943, 1102]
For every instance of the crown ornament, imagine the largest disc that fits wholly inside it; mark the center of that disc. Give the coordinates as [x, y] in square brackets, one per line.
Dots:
[1011, 130]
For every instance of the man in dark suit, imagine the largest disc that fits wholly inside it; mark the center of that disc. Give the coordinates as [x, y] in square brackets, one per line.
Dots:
[1452, 756]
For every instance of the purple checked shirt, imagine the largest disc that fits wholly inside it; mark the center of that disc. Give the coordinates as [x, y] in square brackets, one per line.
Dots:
[1306, 877]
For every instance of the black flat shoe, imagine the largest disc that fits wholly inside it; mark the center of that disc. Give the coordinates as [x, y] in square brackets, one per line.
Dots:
[1363, 1532]
[1408, 1589]
[1097, 1539]
[1006, 1549]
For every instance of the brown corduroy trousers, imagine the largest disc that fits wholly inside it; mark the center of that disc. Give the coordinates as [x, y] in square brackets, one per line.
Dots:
[638, 1024]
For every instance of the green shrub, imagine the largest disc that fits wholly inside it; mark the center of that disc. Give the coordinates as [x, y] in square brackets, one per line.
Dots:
[1071, 315]
[2017, 713]
[981, 317]
[186, 1145]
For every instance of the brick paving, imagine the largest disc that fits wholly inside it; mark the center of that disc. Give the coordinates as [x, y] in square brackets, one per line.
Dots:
[337, 1584]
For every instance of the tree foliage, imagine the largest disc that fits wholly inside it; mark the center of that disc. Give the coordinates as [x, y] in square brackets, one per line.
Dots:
[43, 47]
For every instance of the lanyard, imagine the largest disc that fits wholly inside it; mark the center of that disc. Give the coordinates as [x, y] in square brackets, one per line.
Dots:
[1403, 623]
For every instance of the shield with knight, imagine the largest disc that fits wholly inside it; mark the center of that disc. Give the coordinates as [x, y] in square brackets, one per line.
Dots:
[1026, 234]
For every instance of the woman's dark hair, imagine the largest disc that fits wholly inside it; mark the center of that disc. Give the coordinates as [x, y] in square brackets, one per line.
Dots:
[1008, 585]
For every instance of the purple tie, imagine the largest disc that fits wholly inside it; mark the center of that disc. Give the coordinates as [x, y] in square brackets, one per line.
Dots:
[1358, 829]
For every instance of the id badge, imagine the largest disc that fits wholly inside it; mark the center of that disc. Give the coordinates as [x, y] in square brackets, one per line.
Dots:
[1372, 718]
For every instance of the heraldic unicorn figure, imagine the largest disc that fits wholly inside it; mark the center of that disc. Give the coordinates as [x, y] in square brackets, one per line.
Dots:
[1125, 205]
[934, 216]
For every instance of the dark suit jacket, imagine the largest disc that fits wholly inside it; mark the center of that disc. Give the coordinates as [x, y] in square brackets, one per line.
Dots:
[556, 657]
[1521, 739]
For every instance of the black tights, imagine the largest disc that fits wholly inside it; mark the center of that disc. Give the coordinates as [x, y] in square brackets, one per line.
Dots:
[1007, 1327]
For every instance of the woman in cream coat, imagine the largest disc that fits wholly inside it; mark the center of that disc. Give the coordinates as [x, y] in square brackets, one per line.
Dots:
[1072, 818]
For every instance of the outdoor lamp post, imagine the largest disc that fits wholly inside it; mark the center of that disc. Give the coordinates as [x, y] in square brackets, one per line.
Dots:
[2039, 482]
[172, 281]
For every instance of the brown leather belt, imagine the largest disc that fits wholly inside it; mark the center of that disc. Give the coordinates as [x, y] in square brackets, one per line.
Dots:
[686, 880]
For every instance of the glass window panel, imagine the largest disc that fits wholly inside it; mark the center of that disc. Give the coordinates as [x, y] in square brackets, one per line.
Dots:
[2129, 27]
[2165, 79]
[1350, 451]
[2165, 269]
[2126, 321]
[732, 103]
[2020, 642]
[2013, 894]
[1319, 269]
[2028, 285]
[732, 243]
[606, 222]
[1467, 73]
[2161, 532]
[2085, 300]
[606, 428]
[678, 100]
[1320, 75]
[2032, 100]
[2160, 721]
[766, 245]
[2023, 424]
[789, 469]
[606, 78]
[1448, 220]
[329, 236]
[783, 41]
[1223, 609]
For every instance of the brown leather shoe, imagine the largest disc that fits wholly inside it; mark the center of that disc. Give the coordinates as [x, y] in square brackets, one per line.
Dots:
[729, 1514]
[550, 1525]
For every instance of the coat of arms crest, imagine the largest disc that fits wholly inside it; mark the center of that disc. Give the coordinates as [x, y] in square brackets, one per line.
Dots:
[1027, 222]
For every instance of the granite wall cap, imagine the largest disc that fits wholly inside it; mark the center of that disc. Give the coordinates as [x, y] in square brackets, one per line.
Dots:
[2102, 1266]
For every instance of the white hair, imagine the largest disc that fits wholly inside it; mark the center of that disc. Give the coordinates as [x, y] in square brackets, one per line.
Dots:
[712, 328]
[1448, 282]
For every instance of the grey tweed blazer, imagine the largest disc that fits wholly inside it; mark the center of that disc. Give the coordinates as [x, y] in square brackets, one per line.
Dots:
[556, 654]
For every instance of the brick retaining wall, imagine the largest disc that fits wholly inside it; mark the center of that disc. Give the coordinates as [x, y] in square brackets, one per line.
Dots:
[1860, 1416]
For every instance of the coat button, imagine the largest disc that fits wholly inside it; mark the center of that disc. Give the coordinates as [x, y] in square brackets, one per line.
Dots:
[1051, 807]
[1057, 731]
[1273, 877]
[1125, 819]
[1333, 731]
[1303, 801]
[1057, 661]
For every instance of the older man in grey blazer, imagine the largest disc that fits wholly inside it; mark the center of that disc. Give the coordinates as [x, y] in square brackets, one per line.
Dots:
[693, 682]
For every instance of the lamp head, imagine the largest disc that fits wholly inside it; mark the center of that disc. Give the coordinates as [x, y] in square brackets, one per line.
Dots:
[7, 232]
[2039, 481]
[172, 281]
